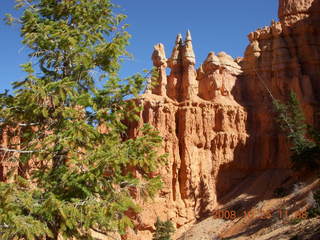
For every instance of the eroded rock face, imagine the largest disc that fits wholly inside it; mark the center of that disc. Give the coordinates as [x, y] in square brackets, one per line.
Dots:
[160, 62]
[217, 77]
[218, 122]
[282, 57]
[202, 126]
[293, 8]
[8, 138]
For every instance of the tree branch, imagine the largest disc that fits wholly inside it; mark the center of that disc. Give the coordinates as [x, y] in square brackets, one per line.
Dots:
[15, 150]
[23, 124]
[28, 124]
[103, 232]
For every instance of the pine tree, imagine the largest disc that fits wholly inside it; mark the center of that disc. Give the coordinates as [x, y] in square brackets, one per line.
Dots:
[304, 139]
[163, 231]
[75, 168]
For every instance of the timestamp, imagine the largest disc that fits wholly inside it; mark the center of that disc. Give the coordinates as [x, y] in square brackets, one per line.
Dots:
[268, 214]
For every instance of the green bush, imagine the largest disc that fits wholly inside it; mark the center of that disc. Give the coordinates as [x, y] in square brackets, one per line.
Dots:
[304, 139]
[295, 221]
[164, 229]
[313, 212]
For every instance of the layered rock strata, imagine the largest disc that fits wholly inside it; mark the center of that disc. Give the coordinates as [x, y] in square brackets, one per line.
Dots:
[218, 122]
[280, 58]
[202, 126]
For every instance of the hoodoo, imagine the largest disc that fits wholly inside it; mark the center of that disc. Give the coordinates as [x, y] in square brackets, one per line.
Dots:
[202, 125]
[218, 123]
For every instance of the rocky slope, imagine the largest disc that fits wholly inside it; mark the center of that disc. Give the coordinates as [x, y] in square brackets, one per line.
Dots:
[260, 215]
[217, 121]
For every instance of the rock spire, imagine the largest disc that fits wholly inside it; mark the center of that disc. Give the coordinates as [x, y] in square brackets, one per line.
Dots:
[160, 62]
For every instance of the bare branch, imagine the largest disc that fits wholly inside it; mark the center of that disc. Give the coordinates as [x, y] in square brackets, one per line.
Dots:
[27, 124]
[23, 124]
[104, 233]
[273, 98]
[15, 150]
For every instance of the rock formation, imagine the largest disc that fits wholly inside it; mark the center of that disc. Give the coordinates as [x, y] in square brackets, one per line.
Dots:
[160, 62]
[281, 57]
[175, 63]
[9, 137]
[218, 123]
[202, 126]
[188, 86]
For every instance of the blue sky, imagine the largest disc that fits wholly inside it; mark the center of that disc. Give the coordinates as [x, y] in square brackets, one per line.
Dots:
[215, 26]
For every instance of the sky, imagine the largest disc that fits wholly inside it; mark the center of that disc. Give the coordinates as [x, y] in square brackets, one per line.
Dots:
[215, 26]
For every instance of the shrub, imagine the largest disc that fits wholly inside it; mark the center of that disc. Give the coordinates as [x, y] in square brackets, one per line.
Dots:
[164, 229]
[295, 221]
[304, 139]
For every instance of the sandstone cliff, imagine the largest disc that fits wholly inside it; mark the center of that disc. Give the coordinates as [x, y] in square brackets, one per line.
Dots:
[202, 125]
[217, 122]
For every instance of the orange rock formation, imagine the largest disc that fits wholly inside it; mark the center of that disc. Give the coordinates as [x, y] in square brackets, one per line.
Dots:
[202, 126]
[217, 122]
